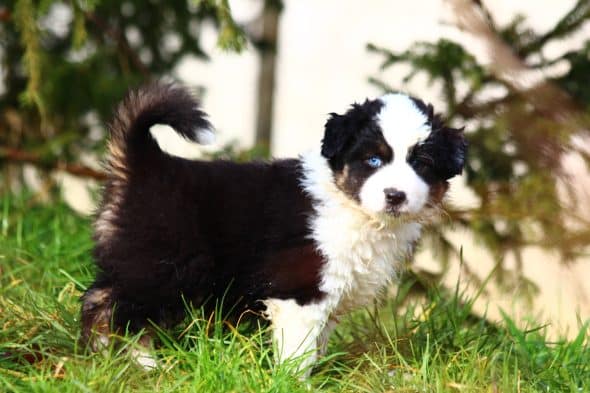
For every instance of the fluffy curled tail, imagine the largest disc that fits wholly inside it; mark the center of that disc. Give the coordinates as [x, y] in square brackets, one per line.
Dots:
[157, 103]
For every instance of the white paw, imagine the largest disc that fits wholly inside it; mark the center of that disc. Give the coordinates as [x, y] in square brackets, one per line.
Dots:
[144, 359]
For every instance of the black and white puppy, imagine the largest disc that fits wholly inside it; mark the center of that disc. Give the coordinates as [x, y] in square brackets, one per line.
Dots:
[302, 241]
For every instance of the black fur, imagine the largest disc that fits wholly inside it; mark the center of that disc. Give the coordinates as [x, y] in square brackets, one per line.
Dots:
[342, 130]
[442, 155]
[155, 104]
[194, 230]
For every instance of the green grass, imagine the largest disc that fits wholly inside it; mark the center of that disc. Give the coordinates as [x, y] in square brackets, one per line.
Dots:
[45, 264]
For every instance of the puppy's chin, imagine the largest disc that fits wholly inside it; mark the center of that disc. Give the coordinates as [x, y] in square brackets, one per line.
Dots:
[393, 212]
[428, 214]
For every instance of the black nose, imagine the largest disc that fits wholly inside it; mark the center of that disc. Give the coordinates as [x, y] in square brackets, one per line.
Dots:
[394, 197]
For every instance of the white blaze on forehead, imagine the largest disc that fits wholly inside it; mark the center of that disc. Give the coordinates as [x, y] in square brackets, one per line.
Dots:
[402, 123]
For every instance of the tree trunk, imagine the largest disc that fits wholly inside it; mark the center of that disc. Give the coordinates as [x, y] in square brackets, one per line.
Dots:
[267, 46]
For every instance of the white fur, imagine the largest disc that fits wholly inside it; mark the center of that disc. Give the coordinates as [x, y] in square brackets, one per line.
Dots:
[362, 251]
[402, 177]
[325, 336]
[172, 143]
[103, 340]
[144, 359]
[401, 122]
[205, 136]
[403, 126]
[295, 330]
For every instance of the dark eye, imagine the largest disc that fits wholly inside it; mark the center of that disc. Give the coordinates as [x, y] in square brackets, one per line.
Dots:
[374, 162]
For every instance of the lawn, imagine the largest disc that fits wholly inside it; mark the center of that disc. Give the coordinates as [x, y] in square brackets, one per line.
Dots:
[435, 345]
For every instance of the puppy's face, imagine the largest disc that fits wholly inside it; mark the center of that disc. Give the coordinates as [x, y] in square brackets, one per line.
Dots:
[393, 155]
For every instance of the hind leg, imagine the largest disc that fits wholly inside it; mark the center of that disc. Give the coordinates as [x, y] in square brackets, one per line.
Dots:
[98, 326]
[97, 315]
[141, 353]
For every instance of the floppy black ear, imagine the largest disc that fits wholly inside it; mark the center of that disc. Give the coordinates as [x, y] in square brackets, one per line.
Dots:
[337, 133]
[340, 130]
[455, 150]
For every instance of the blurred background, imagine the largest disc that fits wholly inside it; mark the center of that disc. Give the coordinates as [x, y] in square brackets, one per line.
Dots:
[515, 74]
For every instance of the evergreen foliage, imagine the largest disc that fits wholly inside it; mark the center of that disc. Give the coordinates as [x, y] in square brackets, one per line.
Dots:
[518, 136]
[64, 64]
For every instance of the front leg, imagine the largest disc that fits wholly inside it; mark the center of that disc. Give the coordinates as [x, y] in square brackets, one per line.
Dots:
[296, 329]
[325, 335]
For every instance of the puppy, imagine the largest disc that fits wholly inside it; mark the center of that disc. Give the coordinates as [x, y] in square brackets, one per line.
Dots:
[301, 241]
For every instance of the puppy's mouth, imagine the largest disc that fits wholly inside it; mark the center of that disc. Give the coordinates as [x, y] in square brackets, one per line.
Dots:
[395, 210]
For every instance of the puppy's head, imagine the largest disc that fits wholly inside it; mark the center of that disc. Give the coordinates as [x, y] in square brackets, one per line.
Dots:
[393, 155]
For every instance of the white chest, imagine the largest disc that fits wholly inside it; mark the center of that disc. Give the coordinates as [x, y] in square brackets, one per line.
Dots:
[362, 257]
[362, 252]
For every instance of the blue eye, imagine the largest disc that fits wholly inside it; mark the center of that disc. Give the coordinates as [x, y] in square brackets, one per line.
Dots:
[374, 162]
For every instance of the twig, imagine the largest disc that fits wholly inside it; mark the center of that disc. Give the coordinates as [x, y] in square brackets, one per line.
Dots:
[15, 155]
[547, 97]
[467, 109]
